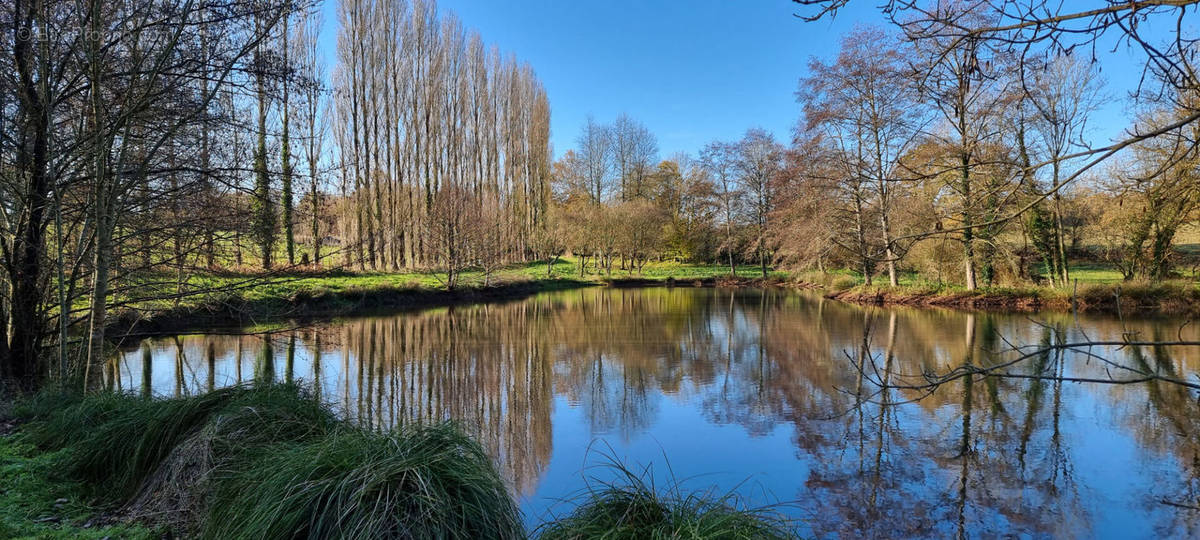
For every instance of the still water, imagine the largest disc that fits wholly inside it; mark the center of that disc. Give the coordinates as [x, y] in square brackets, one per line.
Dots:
[760, 393]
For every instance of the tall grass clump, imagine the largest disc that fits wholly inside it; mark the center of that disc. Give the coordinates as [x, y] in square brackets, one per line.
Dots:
[114, 442]
[418, 482]
[631, 507]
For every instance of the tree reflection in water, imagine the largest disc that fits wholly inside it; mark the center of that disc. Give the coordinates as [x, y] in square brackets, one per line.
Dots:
[767, 386]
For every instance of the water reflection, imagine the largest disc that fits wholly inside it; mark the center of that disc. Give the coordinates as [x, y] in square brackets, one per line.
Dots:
[759, 391]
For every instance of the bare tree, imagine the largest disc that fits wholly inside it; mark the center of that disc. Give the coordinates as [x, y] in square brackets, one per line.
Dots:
[637, 227]
[426, 104]
[487, 236]
[759, 162]
[313, 125]
[864, 101]
[262, 207]
[1029, 32]
[1063, 94]
[549, 241]
[633, 151]
[720, 160]
[450, 232]
[595, 159]
[111, 115]
[964, 80]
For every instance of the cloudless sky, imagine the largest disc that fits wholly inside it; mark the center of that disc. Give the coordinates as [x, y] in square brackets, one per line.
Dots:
[692, 71]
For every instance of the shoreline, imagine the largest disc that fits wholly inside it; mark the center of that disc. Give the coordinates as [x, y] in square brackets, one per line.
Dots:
[307, 304]
[1131, 299]
[310, 303]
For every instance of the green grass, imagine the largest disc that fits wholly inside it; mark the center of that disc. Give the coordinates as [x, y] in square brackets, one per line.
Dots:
[229, 298]
[632, 507]
[115, 442]
[1096, 291]
[33, 504]
[566, 268]
[1094, 272]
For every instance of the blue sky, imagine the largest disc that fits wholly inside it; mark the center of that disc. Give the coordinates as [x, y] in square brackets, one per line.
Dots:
[692, 71]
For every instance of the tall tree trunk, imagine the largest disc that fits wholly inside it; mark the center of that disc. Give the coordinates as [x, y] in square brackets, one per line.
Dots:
[968, 233]
[861, 236]
[93, 369]
[29, 239]
[888, 252]
[98, 319]
[286, 194]
[264, 214]
[5, 358]
[1060, 242]
[315, 224]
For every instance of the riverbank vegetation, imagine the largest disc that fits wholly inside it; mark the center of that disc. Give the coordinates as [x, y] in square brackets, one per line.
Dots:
[273, 462]
[231, 299]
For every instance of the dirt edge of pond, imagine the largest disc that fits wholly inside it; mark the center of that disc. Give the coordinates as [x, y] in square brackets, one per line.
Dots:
[1147, 300]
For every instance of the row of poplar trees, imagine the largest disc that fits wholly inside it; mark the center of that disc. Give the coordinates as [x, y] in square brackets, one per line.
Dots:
[437, 132]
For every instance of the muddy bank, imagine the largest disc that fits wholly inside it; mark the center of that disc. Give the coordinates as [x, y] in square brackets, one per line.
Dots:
[1164, 299]
[959, 301]
[726, 282]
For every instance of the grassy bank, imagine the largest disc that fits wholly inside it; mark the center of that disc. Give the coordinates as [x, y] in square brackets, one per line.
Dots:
[237, 299]
[271, 462]
[234, 299]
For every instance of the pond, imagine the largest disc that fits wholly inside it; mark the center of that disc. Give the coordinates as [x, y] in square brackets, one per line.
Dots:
[760, 393]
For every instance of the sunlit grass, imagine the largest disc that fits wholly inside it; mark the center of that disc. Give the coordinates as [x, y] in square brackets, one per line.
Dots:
[154, 291]
[1092, 272]
[32, 505]
[114, 442]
